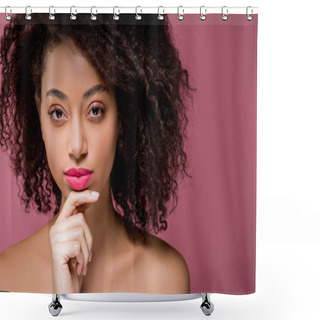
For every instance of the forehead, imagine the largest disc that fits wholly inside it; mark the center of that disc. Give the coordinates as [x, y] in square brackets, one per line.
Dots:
[65, 66]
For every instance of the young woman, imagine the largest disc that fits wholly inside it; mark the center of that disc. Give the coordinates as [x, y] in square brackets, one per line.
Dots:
[93, 115]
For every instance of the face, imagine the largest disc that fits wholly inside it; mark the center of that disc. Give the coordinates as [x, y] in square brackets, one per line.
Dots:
[79, 121]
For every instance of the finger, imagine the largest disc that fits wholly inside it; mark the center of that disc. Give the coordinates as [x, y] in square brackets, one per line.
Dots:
[80, 263]
[74, 234]
[64, 251]
[89, 239]
[74, 256]
[74, 228]
[85, 252]
[73, 264]
[85, 239]
[74, 200]
[75, 220]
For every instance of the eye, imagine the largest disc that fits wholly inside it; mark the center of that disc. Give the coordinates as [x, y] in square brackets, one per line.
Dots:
[96, 111]
[56, 114]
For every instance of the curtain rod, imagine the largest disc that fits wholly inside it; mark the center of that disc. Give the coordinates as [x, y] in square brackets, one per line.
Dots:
[133, 10]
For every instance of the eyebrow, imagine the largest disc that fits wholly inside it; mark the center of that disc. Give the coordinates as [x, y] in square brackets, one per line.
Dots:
[59, 94]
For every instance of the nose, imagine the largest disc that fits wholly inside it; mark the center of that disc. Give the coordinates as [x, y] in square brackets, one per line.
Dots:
[78, 148]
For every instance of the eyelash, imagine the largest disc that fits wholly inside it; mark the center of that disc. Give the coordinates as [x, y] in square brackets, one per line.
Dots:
[102, 111]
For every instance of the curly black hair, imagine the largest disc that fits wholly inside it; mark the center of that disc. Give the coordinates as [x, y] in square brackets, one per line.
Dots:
[141, 62]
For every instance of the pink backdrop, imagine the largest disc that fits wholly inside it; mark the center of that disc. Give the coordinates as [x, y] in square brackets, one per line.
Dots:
[214, 225]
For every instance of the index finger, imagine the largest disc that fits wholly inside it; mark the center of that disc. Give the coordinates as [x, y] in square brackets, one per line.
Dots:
[74, 200]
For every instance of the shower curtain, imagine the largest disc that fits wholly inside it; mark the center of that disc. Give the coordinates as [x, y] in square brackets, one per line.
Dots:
[128, 153]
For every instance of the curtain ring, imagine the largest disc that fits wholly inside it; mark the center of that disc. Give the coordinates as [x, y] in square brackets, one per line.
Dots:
[7, 17]
[28, 15]
[115, 15]
[248, 17]
[73, 14]
[93, 15]
[224, 16]
[51, 13]
[203, 15]
[160, 16]
[138, 17]
[180, 15]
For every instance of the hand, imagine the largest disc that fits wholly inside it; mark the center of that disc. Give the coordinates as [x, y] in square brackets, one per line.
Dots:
[71, 243]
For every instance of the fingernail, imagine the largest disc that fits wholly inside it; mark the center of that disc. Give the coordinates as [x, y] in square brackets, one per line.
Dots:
[95, 194]
[90, 257]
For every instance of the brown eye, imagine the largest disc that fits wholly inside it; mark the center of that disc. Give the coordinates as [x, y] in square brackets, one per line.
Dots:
[96, 111]
[56, 114]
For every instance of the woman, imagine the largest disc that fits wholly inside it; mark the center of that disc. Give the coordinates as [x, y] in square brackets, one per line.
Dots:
[92, 114]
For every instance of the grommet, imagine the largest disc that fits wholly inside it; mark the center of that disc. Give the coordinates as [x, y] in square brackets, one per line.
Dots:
[248, 16]
[28, 15]
[51, 13]
[203, 15]
[7, 17]
[116, 15]
[138, 17]
[93, 15]
[224, 15]
[73, 15]
[160, 15]
[180, 15]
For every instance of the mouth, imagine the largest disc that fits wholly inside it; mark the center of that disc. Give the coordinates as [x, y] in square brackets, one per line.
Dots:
[78, 179]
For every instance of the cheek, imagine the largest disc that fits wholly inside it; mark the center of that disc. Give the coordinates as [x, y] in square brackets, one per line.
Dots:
[103, 149]
[55, 151]
[105, 146]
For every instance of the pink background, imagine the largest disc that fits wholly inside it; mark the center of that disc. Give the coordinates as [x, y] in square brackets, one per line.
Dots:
[214, 225]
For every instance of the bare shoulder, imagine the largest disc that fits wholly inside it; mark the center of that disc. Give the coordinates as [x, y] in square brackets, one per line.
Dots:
[12, 266]
[163, 269]
[24, 266]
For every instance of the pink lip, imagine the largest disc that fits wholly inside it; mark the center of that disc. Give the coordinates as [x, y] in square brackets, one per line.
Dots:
[78, 179]
[77, 172]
